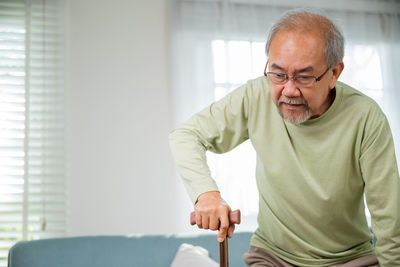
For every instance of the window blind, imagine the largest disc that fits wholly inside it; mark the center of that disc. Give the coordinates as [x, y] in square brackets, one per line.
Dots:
[32, 122]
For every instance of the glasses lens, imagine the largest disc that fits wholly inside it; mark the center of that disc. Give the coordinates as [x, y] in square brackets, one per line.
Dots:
[276, 77]
[280, 78]
[304, 80]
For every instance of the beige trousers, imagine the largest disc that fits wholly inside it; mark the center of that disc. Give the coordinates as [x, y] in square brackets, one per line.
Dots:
[259, 257]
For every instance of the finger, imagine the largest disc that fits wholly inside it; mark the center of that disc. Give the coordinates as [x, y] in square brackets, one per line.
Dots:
[198, 220]
[223, 228]
[231, 229]
[205, 221]
[214, 222]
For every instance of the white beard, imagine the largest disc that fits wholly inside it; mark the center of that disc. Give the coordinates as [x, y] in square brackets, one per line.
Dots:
[297, 120]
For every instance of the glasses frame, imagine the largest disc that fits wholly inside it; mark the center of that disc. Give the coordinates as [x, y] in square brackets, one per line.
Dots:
[294, 77]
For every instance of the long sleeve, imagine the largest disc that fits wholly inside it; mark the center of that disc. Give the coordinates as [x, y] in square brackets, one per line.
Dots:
[218, 128]
[382, 188]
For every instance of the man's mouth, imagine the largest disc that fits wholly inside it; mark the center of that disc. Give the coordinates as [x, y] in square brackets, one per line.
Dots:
[294, 110]
[292, 103]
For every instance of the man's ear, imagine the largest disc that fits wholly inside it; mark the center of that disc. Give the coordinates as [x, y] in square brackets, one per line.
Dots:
[336, 71]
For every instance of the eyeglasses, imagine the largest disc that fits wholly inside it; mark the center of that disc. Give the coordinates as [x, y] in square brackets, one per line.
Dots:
[300, 80]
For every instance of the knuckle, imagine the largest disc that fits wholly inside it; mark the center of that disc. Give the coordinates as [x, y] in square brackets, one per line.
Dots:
[224, 223]
[213, 228]
[223, 228]
[222, 208]
[198, 209]
[205, 210]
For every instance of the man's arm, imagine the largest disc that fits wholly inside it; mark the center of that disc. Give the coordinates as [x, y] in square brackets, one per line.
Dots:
[218, 128]
[382, 188]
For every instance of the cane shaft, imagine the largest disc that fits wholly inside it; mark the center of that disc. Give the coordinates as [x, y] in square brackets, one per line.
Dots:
[223, 253]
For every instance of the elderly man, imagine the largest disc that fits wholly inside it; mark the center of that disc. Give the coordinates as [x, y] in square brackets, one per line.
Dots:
[320, 145]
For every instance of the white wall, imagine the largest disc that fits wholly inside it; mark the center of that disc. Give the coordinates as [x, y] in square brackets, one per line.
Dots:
[121, 177]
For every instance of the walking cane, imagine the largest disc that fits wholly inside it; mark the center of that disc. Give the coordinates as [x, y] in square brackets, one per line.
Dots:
[234, 218]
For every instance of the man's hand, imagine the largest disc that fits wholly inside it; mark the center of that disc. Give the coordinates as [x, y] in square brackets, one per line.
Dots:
[212, 213]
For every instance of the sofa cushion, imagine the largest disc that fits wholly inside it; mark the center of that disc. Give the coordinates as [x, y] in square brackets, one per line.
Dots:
[193, 256]
[120, 251]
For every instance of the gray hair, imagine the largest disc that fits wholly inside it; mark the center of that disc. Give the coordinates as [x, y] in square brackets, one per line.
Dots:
[303, 21]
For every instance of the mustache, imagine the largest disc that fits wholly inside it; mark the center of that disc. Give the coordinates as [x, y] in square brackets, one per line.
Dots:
[292, 101]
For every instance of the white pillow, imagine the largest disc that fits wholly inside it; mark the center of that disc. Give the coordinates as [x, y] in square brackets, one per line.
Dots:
[193, 256]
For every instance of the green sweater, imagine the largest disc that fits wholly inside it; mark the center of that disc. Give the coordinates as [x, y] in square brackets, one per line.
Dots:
[311, 176]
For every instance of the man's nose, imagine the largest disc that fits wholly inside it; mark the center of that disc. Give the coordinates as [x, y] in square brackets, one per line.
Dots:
[290, 89]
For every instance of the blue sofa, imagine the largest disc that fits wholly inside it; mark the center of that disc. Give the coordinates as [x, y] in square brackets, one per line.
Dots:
[120, 251]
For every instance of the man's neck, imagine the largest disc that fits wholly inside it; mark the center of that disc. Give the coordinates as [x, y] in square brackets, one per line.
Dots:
[330, 99]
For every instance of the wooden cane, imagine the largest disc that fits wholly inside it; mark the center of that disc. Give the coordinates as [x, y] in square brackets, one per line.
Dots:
[234, 218]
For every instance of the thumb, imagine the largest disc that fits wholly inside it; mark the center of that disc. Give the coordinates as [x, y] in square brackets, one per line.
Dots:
[223, 228]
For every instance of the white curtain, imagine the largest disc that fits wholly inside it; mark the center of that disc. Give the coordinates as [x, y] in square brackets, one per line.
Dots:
[372, 34]
[32, 122]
